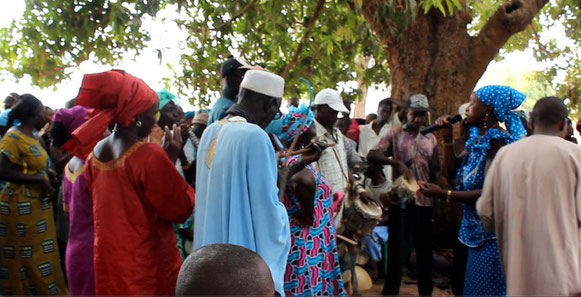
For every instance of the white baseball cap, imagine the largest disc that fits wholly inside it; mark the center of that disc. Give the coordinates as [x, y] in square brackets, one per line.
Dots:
[332, 98]
[263, 82]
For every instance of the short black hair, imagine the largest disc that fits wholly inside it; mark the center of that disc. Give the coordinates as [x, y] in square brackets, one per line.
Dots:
[25, 108]
[549, 111]
[385, 102]
[224, 269]
[12, 96]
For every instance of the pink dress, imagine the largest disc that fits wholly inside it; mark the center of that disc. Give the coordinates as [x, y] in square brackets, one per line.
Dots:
[313, 264]
[79, 254]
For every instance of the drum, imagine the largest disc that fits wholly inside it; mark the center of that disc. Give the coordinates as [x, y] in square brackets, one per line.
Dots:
[403, 190]
[360, 218]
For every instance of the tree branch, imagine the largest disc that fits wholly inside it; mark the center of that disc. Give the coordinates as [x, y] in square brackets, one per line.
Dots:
[299, 49]
[509, 19]
[236, 16]
[353, 45]
[541, 46]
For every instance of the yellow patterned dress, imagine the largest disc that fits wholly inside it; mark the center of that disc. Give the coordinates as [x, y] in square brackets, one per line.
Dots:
[29, 257]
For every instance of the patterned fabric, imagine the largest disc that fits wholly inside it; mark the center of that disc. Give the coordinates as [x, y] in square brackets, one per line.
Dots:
[292, 121]
[313, 264]
[503, 100]
[413, 150]
[351, 151]
[29, 261]
[483, 272]
[333, 162]
[471, 177]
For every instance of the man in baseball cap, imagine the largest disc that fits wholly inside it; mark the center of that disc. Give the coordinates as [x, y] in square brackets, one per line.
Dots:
[232, 71]
[415, 157]
[334, 163]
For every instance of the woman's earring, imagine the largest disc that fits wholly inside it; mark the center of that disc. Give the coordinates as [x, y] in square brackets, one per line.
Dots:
[138, 124]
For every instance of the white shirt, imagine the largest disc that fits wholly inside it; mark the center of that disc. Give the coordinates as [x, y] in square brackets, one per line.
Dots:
[368, 139]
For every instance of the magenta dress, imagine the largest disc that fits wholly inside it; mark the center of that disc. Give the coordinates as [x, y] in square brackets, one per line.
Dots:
[79, 254]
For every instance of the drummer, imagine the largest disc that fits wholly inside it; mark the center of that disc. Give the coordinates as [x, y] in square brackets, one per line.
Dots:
[415, 156]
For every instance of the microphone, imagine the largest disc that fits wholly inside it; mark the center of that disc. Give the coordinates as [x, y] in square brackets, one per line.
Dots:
[431, 128]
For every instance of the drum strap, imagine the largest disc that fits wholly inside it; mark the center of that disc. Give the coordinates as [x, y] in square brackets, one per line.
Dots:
[342, 170]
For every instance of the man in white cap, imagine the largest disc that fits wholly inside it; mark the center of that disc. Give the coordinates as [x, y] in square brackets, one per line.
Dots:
[232, 73]
[236, 181]
[333, 162]
[334, 166]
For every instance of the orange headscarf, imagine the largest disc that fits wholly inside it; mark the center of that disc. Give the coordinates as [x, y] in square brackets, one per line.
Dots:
[117, 97]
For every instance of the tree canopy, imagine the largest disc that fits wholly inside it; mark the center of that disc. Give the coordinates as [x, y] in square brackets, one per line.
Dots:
[326, 42]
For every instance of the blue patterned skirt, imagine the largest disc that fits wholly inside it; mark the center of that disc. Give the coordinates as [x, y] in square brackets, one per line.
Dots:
[484, 271]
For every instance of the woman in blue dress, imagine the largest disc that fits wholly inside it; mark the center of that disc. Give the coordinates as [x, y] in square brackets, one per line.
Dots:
[488, 106]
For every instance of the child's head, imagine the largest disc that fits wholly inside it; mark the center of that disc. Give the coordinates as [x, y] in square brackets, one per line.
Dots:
[373, 170]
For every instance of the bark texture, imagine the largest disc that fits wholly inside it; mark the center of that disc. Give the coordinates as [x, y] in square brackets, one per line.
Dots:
[437, 57]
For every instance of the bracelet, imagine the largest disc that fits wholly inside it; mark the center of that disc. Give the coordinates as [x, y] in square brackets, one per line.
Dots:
[448, 194]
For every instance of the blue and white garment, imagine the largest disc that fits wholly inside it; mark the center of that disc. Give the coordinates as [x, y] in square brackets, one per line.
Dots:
[503, 100]
[471, 177]
[483, 269]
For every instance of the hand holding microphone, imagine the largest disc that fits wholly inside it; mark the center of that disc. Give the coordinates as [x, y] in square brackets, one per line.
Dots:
[441, 122]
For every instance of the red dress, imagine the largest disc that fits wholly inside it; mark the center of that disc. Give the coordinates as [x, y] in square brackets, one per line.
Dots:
[353, 131]
[135, 200]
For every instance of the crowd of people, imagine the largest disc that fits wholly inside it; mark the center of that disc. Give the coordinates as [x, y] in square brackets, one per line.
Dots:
[123, 193]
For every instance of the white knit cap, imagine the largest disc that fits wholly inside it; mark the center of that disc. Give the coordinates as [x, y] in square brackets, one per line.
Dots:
[263, 82]
[332, 98]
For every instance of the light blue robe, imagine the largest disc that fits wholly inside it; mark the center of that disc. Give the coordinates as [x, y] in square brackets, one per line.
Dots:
[237, 194]
[219, 109]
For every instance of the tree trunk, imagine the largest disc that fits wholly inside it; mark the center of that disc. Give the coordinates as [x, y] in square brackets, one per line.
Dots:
[363, 62]
[436, 56]
[359, 112]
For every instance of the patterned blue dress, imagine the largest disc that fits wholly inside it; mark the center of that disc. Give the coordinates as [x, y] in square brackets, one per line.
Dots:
[483, 269]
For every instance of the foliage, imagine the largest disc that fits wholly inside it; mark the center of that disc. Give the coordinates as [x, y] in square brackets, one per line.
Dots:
[563, 58]
[269, 34]
[326, 44]
[55, 35]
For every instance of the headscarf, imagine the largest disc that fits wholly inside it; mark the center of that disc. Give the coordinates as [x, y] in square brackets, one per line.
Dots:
[201, 118]
[117, 97]
[503, 100]
[71, 119]
[292, 121]
[165, 97]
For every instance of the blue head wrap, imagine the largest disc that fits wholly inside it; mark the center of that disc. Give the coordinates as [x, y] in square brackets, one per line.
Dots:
[165, 97]
[503, 100]
[292, 121]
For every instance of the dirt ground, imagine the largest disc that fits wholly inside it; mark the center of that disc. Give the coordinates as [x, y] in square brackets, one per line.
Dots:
[405, 290]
